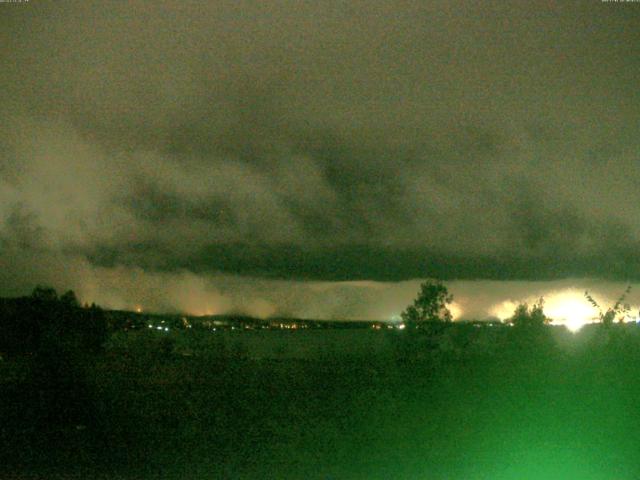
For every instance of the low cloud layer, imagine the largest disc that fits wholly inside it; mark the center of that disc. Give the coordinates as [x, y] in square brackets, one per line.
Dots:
[293, 142]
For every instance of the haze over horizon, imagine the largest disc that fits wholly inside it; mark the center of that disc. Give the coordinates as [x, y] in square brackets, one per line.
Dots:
[317, 159]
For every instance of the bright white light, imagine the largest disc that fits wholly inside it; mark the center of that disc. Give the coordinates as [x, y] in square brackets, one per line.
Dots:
[503, 310]
[566, 307]
[158, 327]
[456, 310]
[569, 308]
[166, 329]
[574, 324]
[401, 326]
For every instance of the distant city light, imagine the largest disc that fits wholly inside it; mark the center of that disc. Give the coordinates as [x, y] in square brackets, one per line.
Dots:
[569, 308]
[456, 310]
[574, 325]
[566, 307]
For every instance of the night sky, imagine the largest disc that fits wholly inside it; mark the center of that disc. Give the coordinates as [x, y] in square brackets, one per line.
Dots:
[319, 158]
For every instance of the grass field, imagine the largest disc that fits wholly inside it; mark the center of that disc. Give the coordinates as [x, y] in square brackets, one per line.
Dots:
[137, 411]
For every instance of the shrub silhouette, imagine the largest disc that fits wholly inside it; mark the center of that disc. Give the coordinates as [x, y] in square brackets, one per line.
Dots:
[619, 309]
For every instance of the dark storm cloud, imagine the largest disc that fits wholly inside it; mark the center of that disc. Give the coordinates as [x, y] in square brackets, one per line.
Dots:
[378, 140]
[354, 261]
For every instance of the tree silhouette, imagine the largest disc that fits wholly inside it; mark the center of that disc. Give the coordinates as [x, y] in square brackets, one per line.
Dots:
[69, 299]
[44, 294]
[525, 317]
[429, 306]
[29, 324]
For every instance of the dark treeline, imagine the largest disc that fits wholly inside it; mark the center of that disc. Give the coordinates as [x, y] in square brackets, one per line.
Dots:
[48, 346]
[29, 325]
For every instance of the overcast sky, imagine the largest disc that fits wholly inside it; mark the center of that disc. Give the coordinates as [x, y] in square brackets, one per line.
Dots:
[318, 158]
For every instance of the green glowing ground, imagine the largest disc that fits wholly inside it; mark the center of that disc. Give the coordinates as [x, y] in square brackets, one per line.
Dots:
[543, 413]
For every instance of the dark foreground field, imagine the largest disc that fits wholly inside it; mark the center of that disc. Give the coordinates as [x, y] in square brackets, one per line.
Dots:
[530, 411]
